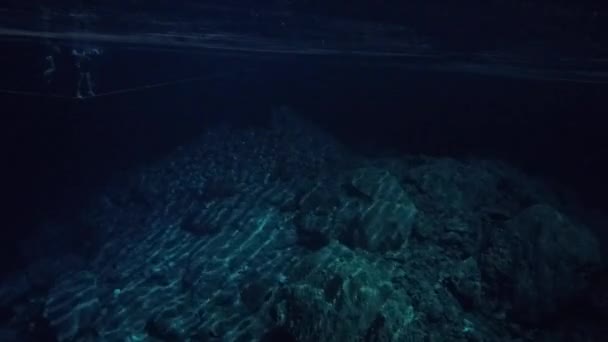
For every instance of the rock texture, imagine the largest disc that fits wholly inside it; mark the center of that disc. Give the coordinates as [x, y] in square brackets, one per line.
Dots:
[281, 234]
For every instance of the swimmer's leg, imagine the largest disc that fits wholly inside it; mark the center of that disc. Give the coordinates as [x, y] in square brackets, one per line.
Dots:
[89, 84]
[79, 85]
[50, 70]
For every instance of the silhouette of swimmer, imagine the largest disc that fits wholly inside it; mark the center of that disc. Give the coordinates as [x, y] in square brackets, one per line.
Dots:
[83, 63]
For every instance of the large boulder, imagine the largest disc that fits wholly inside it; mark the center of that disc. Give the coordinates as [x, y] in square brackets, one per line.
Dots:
[538, 263]
[369, 211]
[340, 295]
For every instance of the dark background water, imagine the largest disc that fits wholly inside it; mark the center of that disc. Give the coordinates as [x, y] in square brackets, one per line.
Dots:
[57, 152]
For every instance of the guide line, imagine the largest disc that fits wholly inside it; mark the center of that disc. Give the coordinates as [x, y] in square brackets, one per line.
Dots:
[104, 94]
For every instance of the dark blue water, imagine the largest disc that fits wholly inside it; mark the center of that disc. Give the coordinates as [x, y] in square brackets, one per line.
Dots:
[304, 171]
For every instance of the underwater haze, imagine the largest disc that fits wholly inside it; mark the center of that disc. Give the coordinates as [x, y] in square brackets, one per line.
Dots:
[304, 170]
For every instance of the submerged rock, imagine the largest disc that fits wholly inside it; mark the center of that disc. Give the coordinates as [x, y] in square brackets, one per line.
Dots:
[539, 262]
[340, 295]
